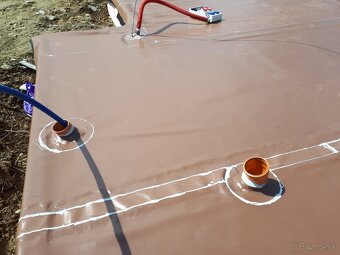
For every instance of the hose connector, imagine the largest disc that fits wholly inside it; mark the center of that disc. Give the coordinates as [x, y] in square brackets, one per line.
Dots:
[62, 131]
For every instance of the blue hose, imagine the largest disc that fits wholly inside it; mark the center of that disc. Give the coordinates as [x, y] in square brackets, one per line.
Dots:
[33, 102]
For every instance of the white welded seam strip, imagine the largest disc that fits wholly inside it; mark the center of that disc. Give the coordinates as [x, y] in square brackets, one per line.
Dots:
[300, 162]
[63, 211]
[303, 149]
[329, 147]
[153, 201]
[324, 145]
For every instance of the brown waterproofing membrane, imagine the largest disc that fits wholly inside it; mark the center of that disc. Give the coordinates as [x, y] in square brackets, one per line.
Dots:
[186, 99]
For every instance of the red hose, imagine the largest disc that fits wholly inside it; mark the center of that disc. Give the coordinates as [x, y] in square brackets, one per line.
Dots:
[174, 7]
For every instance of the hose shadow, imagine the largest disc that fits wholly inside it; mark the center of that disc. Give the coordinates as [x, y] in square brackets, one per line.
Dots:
[161, 30]
[116, 225]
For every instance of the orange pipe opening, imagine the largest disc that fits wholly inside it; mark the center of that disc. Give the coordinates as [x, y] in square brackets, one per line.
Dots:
[62, 131]
[255, 172]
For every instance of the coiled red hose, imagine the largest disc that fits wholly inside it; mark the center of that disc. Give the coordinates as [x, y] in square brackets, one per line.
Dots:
[171, 6]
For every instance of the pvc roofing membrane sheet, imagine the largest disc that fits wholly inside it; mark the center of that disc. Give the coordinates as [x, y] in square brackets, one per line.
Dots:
[166, 121]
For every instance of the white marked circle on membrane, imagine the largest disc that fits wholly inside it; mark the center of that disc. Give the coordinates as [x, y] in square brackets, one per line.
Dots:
[83, 126]
[273, 200]
[132, 37]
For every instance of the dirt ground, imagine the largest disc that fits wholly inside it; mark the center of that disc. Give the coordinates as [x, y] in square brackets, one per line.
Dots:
[20, 20]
